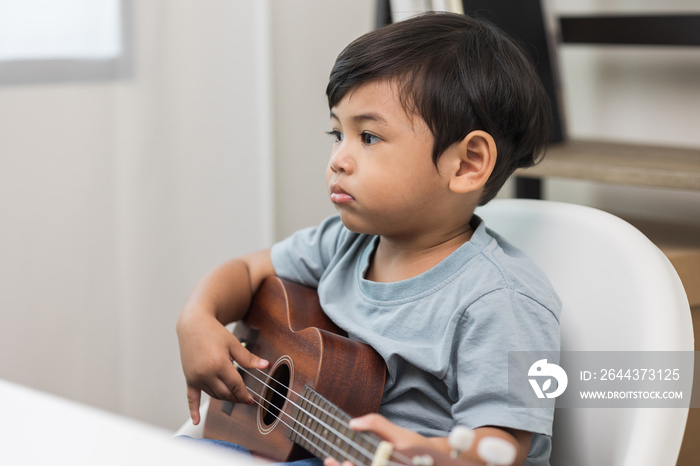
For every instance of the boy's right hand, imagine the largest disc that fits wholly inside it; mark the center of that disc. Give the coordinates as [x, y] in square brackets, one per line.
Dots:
[207, 351]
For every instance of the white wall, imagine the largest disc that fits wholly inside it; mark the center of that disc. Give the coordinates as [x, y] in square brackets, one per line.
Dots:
[116, 197]
[307, 37]
[58, 243]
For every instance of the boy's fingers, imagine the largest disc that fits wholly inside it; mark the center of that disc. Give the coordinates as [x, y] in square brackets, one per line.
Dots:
[237, 391]
[387, 430]
[372, 422]
[230, 386]
[245, 358]
[194, 396]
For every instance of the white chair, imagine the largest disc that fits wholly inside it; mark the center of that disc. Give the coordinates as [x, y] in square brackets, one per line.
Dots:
[619, 293]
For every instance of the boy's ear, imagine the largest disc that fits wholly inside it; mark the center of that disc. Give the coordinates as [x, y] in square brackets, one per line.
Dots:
[472, 161]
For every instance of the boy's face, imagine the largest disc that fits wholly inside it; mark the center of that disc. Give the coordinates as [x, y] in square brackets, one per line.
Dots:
[381, 176]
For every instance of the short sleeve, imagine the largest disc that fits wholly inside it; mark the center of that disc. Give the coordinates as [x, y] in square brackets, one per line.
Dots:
[304, 256]
[500, 322]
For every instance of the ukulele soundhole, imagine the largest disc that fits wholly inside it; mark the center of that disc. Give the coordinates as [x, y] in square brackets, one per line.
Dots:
[275, 394]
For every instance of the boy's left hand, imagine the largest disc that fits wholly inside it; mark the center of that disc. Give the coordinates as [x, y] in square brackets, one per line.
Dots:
[404, 439]
[398, 436]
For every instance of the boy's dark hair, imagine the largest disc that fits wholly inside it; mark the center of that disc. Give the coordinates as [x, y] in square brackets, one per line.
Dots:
[459, 74]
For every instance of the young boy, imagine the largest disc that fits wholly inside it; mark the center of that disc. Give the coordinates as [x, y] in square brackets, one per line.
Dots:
[429, 117]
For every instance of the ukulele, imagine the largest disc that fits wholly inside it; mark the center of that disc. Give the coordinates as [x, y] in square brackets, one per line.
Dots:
[313, 366]
[317, 381]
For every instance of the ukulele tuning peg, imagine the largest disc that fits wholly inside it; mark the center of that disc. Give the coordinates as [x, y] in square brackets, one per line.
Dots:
[496, 451]
[460, 439]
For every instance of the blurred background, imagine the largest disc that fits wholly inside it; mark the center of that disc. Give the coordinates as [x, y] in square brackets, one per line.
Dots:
[203, 138]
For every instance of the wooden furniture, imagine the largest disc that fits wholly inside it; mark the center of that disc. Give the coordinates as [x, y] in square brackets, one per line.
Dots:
[620, 163]
[608, 162]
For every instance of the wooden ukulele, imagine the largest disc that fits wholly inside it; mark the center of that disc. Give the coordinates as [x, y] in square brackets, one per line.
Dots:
[318, 380]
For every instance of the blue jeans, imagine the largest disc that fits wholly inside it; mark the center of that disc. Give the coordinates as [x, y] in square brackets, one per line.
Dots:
[239, 449]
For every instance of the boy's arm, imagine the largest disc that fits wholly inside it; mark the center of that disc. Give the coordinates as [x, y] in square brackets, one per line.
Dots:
[207, 348]
[403, 438]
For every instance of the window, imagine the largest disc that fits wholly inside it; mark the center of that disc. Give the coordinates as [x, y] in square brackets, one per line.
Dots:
[67, 40]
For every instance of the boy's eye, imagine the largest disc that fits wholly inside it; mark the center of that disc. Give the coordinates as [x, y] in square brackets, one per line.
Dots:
[337, 135]
[369, 139]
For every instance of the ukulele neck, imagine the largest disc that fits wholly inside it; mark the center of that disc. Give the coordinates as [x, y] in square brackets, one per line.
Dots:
[322, 428]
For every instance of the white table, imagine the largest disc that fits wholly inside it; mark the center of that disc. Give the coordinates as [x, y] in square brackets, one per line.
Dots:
[41, 429]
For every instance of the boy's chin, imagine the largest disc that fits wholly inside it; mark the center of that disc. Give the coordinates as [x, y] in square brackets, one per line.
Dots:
[355, 224]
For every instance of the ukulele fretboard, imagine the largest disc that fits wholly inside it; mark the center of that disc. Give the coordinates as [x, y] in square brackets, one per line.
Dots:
[322, 428]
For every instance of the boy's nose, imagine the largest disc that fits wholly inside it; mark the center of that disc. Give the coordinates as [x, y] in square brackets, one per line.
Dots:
[341, 160]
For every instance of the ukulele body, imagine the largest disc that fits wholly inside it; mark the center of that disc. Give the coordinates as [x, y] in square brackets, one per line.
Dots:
[286, 326]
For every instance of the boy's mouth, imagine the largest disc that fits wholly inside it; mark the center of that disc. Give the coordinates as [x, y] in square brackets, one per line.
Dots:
[339, 196]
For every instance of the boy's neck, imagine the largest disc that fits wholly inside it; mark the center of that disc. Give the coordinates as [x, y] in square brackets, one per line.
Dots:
[395, 260]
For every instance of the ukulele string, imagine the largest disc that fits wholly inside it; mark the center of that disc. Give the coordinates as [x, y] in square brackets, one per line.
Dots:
[400, 457]
[316, 434]
[341, 421]
[302, 397]
[369, 455]
[406, 461]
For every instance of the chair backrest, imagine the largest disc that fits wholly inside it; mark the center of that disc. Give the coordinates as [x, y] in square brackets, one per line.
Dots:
[619, 293]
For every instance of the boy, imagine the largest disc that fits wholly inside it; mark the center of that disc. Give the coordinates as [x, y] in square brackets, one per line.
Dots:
[429, 117]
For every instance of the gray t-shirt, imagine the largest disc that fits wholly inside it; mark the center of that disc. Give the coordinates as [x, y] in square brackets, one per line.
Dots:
[444, 334]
